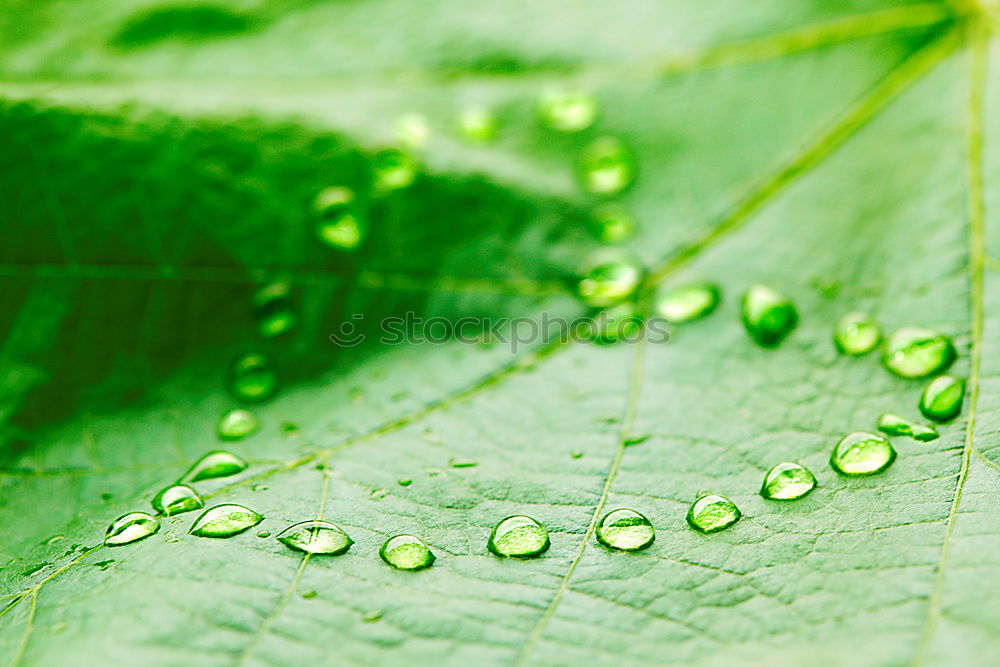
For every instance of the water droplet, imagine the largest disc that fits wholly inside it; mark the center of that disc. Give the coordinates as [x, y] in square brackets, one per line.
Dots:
[458, 462]
[257, 488]
[942, 399]
[636, 440]
[613, 224]
[215, 464]
[308, 595]
[478, 124]
[856, 334]
[393, 169]
[406, 552]
[225, 521]
[316, 537]
[606, 167]
[894, 425]
[609, 276]
[130, 528]
[688, 302]
[413, 130]
[862, 453]
[768, 315]
[405, 481]
[626, 530]
[567, 110]
[340, 224]
[379, 494]
[616, 324]
[787, 481]
[372, 616]
[711, 513]
[237, 424]
[252, 379]
[263, 533]
[177, 499]
[518, 537]
[576, 454]
[914, 352]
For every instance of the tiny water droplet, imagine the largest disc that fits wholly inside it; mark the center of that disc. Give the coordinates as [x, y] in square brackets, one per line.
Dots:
[316, 537]
[787, 481]
[405, 481]
[218, 463]
[711, 513]
[626, 530]
[942, 398]
[620, 323]
[894, 425]
[576, 454]
[856, 334]
[263, 533]
[567, 110]
[372, 616]
[613, 224]
[606, 167]
[393, 169]
[308, 595]
[688, 302]
[768, 315]
[225, 521]
[272, 305]
[340, 224]
[862, 453]
[458, 462]
[378, 494]
[609, 276]
[518, 537]
[406, 552]
[252, 379]
[177, 499]
[413, 130]
[259, 487]
[237, 424]
[914, 352]
[636, 440]
[478, 124]
[130, 528]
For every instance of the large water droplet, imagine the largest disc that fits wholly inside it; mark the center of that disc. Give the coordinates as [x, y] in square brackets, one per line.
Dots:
[478, 124]
[942, 399]
[567, 110]
[316, 537]
[252, 379]
[236, 425]
[606, 167]
[340, 224]
[711, 513]
[518, 537]
[856, 334]
[406, 552]
[214, 464]
[787, 481]
[393, 169]
[894, 425]
[626, 530]
[177, 499]
[609, 276]
[272, 305]
[130, 528]
[225, 521]
[914, 352]
[862, 453]
[768, 315]
[613, 224]
[685, 303]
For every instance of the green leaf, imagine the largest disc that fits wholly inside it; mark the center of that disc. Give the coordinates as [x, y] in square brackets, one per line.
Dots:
[160, 164]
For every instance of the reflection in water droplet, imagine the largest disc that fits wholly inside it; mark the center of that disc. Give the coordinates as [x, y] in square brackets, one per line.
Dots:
[626, 530]
[237, 424]
[225, 521]
[606, 167]
[688, 302]
[862, 453]
[316, 537]
[340, 224]
[787, 481]
[711, 513]
[914, 352]
[894, 425]
[130, 528]
[518, 537]
[393, 169]
[177, 499]
[942, 399]
[215, 464]
[768, 315]
[406, 552]
[567, 110]
[609, 276]
[252, 379]
[856, 334]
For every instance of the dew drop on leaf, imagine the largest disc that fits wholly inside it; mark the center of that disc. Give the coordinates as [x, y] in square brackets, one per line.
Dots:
[518, 537]
[711, 513]
[626, 530]
[861, 453]
[608, 277]
[942, 399]
[613, 224]
[413, 130]
[252, 379]
[894, 425]
[218, 463]
[405, 481]
[856, 334]
[177, 499]
[393, 169]
[225, 521]
[316, 537]
[915, 352]
[768, 315]
[406, 552]
[567, 110]
[688, 302]
[787, 481]
[372, 616]
[340, 224]
[272, 306]
[606, 167]
[130, 528]
[478, 124]
[263, 533]
[236, 424]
